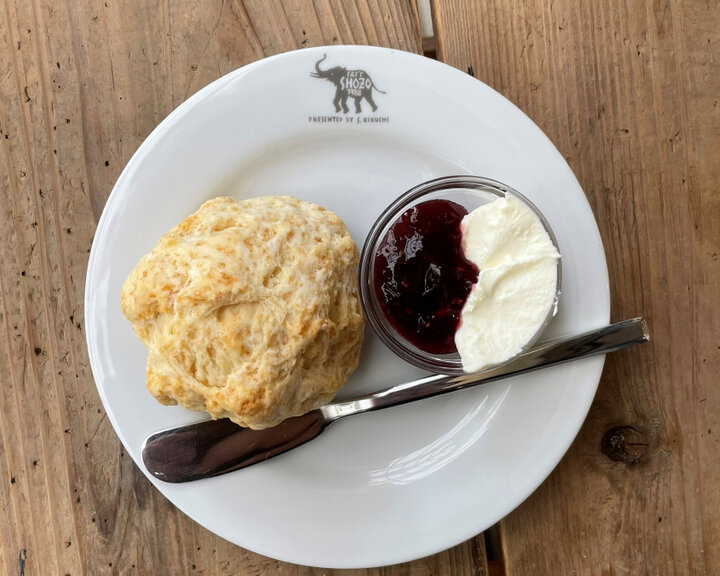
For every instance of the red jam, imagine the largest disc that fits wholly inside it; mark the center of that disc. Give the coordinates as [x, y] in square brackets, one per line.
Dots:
[422, 278]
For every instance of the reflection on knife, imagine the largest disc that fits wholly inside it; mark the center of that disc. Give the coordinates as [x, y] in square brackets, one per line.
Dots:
[215, 447]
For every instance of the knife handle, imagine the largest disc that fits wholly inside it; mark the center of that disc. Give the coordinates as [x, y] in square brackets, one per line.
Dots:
[593, 343]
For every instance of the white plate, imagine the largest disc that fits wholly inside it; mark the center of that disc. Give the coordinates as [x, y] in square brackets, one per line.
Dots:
[389, 486]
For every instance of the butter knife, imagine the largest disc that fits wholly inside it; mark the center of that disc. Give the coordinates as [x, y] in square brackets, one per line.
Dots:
[215, 447]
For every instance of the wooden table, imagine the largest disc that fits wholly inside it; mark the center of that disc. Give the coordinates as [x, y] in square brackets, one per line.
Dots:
[628, 91]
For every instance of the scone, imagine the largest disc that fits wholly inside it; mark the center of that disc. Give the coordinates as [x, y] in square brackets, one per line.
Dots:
[249, 309]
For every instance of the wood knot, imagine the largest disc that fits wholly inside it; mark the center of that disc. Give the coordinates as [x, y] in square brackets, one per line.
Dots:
[624, 444]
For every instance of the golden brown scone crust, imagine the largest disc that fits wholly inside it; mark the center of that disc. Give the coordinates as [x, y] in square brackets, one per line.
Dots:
[249, 309]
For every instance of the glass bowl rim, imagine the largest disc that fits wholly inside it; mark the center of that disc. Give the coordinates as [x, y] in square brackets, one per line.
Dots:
[380, 325]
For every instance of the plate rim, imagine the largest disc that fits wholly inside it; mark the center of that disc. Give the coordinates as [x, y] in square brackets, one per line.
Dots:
[102, 228]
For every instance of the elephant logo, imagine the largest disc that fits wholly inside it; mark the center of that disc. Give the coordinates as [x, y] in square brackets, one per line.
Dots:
[355, 84]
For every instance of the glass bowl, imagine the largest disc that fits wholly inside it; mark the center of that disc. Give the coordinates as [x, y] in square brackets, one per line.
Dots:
[470, 192]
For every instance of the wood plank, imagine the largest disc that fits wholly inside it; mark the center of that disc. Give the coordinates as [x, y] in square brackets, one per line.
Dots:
[628, 91]
[82, 83]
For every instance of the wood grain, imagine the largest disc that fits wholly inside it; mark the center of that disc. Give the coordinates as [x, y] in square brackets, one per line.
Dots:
[82, 83]
[628, 91]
